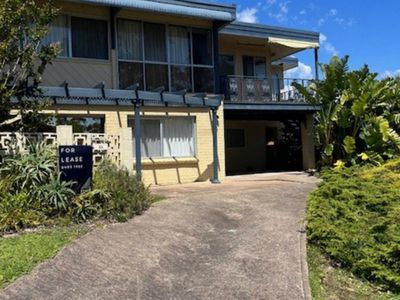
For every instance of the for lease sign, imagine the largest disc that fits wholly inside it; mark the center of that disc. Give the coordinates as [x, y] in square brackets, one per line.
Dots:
[76, 164]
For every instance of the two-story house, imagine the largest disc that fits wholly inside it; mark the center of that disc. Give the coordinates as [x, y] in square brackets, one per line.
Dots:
[191, 93]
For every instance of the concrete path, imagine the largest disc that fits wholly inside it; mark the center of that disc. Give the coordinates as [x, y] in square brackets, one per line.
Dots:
[242, 239]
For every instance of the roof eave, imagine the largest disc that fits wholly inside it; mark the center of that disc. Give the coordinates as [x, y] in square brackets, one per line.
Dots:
[190, 8]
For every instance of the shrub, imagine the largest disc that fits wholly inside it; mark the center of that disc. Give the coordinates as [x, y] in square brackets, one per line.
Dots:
[31, 190]
[128, 195]
[354, 217]
[55, 194]
[17, 213]
[31, 170]
[89, 204]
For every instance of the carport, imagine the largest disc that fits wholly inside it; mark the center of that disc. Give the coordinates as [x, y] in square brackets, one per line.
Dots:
[269, 137]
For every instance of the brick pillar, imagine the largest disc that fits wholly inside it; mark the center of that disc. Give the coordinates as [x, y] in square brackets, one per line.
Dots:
[126, 150]
[65, 135]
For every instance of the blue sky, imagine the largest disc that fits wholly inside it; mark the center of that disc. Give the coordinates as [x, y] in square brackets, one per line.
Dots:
[367, 30]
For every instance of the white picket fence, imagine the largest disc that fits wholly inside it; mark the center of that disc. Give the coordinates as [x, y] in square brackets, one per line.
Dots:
[104, 145]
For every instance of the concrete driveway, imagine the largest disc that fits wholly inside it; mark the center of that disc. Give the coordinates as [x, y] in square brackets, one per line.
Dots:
[242, 239]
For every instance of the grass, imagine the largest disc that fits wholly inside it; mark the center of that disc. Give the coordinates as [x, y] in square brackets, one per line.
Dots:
[20, 254]
[330, 283]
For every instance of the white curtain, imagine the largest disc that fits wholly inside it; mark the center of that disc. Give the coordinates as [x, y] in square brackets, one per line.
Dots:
[58, 33]
[178, 137]
[129, 40]
[151, 139]
[179, 43]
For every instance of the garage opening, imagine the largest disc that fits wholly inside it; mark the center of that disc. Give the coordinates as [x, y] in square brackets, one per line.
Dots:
[257, 142]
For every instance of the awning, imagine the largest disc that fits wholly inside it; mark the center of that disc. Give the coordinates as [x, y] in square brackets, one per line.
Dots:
[222, 13]
[296, 44]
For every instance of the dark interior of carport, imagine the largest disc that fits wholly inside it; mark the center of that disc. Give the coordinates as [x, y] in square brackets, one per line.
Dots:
[264, 141]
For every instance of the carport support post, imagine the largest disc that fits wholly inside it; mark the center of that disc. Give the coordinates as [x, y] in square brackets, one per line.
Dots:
[215, 178]
[138, 149]
[316, 63]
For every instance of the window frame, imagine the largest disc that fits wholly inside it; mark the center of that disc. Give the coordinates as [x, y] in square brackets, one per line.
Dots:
[254, 66]
[69, 42]
[161, 119]
[169, 64]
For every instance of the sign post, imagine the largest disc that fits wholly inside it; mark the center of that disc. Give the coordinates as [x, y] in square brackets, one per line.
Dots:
[76, 164]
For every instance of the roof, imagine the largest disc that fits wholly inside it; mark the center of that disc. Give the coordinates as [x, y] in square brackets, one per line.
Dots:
[190, 8]
[265, 31]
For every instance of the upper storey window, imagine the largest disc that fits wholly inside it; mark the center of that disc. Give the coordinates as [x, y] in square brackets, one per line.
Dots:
[164, 57]
[79, 37]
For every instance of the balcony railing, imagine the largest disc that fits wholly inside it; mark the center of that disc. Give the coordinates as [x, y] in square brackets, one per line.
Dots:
[242, 89]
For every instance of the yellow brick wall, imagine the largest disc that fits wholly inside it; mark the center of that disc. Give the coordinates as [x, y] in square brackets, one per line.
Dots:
[166, 170]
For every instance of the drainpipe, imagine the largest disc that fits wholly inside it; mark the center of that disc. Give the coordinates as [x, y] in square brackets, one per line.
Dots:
[215, 178]
[316, 63]
[138, 138]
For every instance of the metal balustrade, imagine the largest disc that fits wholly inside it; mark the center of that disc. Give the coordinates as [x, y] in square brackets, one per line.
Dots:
[245, 89]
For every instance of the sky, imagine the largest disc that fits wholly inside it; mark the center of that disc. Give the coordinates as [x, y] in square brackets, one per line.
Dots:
[366, 30]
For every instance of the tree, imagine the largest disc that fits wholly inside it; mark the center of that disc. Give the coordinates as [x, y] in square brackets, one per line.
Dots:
[358, 116]
[23, 57]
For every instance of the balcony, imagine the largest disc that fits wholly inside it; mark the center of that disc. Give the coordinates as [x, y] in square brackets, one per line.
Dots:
[256, 90]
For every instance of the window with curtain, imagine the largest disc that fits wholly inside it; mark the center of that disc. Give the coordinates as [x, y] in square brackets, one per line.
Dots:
[155, 48]
[202, 46]
[167, 137]
[129, 40]
[156, 77]
[130, 74]
[59, 33]
[89, 38]
[175, 58]
[181, 78]
[179, 45]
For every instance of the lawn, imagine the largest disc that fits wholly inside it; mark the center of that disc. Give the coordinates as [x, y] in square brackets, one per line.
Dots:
[20, 254]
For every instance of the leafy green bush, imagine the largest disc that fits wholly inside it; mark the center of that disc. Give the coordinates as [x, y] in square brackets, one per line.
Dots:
[55, 194]
[17, 213]
[128, 196]
[89, 204]
[31, 192]
[29, 171]
[359, 115]
[354, 217]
